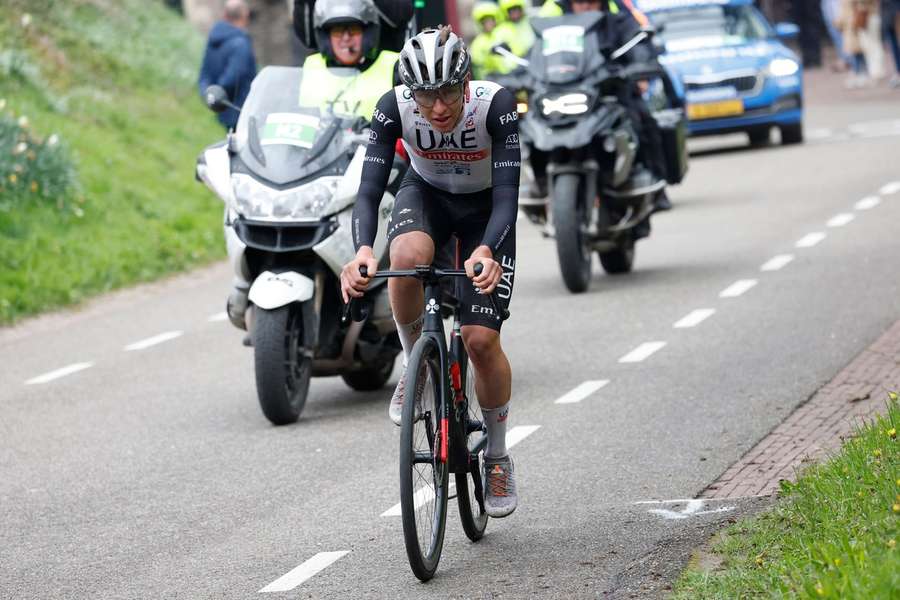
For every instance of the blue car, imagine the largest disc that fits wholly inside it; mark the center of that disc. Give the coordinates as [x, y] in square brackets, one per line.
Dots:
[735, 74]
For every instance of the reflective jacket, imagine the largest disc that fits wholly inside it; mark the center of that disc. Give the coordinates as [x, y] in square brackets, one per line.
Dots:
[352, 91]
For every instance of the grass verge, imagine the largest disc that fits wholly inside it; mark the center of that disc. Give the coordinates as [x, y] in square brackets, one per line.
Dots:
[833, 534]
[114, 81]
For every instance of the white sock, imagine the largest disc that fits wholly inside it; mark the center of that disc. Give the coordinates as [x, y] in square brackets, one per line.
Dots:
[495, 421]
[409, 333]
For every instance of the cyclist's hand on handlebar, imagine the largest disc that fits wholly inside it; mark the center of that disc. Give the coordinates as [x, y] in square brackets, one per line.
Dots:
[490, 275]
[353, 284]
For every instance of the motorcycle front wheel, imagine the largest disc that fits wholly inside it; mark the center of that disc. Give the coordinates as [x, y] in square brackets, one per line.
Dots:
[569, 211]
[283, 370]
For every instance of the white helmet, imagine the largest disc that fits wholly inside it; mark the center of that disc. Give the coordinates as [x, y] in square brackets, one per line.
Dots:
[433, 59]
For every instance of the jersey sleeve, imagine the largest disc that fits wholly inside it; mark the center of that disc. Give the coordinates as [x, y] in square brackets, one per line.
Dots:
[506, 158]
[386, 130]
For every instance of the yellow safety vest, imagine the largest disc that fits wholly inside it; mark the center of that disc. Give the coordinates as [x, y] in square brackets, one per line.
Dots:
[353, 92]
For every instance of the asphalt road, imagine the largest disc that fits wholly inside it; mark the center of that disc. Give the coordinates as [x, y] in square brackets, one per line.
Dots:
[151, 473]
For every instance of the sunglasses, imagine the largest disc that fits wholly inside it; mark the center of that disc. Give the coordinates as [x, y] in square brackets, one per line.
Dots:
[339, 31]
[448, 95]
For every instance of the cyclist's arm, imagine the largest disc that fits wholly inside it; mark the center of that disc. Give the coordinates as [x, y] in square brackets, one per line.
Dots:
[506, 157]
[386, 130]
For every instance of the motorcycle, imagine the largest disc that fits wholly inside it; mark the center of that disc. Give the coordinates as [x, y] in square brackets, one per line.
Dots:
[289, 177]
[573, 117]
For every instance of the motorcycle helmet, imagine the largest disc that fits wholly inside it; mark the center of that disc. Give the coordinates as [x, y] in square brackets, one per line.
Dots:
[486, 10]
[328, 13]
[433, 59]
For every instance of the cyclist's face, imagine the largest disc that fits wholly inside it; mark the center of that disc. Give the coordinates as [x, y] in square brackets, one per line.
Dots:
[346, 43]
[581, 6]
[442, 108]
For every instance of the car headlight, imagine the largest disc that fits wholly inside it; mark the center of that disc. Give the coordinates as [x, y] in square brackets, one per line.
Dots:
[783, 67]
[567, 104]
[255, 200]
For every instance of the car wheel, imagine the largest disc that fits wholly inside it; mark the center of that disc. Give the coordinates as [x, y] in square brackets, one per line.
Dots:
[792, 134]
[760, 136]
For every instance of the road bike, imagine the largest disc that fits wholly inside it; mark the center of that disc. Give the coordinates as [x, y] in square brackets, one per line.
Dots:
[442, 431]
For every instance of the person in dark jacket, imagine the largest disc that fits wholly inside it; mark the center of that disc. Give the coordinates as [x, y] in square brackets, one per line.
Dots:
[229, 60]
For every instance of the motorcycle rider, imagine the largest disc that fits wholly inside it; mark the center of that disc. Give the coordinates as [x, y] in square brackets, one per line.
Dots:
[347, 34]
[487, 18]
[463, 142]
[515, 31]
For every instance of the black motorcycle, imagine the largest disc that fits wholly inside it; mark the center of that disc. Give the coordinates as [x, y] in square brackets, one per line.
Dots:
[574, 121]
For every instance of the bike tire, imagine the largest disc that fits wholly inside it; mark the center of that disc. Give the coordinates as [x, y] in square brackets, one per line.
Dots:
[469, 486]
[282, 369]
[424, 513]
[572, 249]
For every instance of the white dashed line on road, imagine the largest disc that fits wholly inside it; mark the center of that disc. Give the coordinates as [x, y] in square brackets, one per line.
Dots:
[840, 220]
[47, 377]
[776, 263]
[425, 494]
[582, 391]
[890, 188]
[153, 341]
[642, 352]
[867, 203]
[694, 318]
[222, 316]
[810, 239]
[737, 288]
[296, 576]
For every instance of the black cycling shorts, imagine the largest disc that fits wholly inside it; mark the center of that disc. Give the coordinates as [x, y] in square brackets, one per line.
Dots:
[441, 215]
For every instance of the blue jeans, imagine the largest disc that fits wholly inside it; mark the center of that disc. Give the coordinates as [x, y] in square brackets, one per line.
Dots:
[829, 14]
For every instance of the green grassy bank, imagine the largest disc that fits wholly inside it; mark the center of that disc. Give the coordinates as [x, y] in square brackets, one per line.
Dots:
[833, 534]
[111, 86]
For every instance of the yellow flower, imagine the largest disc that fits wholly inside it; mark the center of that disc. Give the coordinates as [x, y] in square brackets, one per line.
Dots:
[892, 433]
[892, 544]
[877, 452]
[896, 507]
[859, 493]
[34, 186]
[837, 562]
[820, 590]
[13, 179]
[893, 396]
[759, 561]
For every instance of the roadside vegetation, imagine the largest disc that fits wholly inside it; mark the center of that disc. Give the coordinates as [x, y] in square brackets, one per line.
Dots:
[100, 125]
[833, 534]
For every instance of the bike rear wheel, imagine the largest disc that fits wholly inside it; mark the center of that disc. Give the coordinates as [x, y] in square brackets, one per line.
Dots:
[469, 486]
[423, 477]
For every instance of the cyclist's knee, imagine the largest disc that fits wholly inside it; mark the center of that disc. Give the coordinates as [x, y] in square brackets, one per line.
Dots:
[411, 249]
[482, 343]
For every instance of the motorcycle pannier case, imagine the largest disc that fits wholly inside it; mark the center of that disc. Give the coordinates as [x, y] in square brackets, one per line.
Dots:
[673, 126]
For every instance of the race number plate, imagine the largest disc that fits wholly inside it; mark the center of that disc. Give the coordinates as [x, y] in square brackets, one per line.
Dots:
[713, 110]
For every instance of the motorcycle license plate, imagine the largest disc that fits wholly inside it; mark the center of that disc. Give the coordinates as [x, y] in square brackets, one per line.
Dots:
[712, 110]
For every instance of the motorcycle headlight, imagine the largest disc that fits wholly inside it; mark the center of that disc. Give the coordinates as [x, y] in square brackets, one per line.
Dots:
[783, 67]
[255, 200]
[566, 104]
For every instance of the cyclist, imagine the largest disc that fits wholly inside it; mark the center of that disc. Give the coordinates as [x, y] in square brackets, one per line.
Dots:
[463, 142]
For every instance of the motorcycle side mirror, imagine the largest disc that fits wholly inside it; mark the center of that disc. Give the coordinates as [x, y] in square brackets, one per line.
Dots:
[217, 99]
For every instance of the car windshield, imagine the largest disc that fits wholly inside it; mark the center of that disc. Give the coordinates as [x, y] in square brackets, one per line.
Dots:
[695, 27]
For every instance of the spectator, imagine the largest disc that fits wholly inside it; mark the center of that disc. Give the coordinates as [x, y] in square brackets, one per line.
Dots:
[890, 16]
[229, 60]
[870, 37]
[830, 12]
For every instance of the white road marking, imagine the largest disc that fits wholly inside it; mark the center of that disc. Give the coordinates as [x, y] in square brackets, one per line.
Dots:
[296, 576]
[691, 509]
[153, 341]
[642, 352]
[810, 239]
[694, 318]
[840, 220]
[867, 203]
[776, 263]
[426, 494]
[222, 316]
[582, 391]
[890, 188]
[46, 377]
[737, 288]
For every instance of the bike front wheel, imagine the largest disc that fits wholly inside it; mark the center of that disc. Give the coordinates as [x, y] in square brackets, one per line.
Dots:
[423, 475]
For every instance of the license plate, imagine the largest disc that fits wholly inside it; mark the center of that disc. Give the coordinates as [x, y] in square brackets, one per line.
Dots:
[712, 110]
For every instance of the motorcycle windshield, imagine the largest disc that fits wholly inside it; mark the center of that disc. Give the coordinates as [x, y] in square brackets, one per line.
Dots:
[280, 141]
[567, 49]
